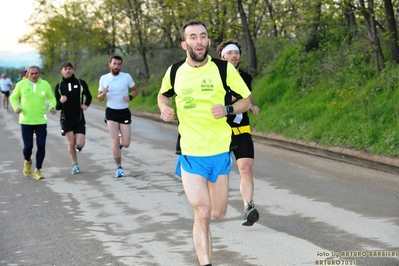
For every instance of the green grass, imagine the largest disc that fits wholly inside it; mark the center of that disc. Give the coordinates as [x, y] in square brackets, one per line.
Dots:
[329, 110]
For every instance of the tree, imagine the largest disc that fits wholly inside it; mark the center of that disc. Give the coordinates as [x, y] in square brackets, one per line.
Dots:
[392, 32]
[220, 17]
[108, 15]
[313, 42]
[371, 23]
[139, 29]
[64, 32]
[272, 16]
[78, 29]
[251, 50]
[348, 11]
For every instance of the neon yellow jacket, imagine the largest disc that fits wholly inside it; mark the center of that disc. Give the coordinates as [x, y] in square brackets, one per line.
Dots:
[32, 99]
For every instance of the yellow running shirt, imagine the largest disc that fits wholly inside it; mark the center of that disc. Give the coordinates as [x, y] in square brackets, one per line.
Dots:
[197, 90]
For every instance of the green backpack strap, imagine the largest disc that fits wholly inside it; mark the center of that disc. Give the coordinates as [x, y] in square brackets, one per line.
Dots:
[80, 86]
[62, 116]
[59, 92]
[81, 91]
[59, 88]
[81, 96]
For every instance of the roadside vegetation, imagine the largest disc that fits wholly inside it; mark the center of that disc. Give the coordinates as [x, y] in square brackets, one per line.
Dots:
[324, 71]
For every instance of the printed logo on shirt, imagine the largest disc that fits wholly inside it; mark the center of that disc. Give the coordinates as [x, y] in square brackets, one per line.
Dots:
[187, 91]
[207, 86]
[188, 103]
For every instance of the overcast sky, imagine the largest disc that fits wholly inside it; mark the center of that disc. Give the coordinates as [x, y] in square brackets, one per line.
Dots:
[13, 14]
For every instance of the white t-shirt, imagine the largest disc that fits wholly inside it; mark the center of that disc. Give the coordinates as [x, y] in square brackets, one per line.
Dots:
[5, 84]
[118, 86]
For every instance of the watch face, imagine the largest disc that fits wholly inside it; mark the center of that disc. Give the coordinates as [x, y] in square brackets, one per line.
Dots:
[230, 109]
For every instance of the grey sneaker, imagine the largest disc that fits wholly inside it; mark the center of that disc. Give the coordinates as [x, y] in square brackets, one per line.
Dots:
[251, 214]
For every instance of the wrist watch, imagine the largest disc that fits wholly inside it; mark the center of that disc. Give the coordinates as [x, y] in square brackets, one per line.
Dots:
[229, 109]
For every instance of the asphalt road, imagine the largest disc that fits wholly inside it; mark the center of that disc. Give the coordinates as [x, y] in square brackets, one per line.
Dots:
[314, 210]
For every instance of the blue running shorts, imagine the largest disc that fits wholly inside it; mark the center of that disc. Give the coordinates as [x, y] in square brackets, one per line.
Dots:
[209, 167]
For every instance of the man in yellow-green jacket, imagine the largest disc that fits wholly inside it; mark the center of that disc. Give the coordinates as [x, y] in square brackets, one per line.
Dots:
[29, 100]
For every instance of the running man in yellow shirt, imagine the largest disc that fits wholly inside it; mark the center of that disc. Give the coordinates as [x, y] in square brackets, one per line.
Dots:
[202, 105]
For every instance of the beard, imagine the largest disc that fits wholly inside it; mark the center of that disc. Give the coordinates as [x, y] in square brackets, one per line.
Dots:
[196, 57]
[115, 72]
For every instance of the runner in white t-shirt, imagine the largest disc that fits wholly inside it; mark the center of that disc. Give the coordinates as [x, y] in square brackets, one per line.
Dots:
[117, 86]
[6, 85]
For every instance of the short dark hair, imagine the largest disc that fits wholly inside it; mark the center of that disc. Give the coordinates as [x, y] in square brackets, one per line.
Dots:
[117, 57]
[66, 64]
[191, 23]
[225, 43]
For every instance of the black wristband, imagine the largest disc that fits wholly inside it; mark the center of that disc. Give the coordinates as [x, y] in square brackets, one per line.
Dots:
[130, 97]
[229, 109]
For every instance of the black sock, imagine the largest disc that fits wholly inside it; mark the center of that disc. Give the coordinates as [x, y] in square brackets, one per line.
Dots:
[208, 264]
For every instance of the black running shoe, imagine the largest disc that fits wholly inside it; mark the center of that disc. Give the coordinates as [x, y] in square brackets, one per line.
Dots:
[251, 214]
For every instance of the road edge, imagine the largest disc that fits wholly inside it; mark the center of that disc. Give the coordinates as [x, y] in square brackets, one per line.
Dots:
[357, 157]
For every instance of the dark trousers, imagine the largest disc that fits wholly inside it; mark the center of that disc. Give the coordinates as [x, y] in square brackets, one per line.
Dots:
[27, 137]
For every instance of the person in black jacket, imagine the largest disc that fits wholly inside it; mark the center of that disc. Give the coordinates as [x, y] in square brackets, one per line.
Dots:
[230, 50]
[73, 97]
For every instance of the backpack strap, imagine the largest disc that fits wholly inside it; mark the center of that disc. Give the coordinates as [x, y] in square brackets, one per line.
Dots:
[59, 88]
[80, 86]
[81, 91]
[59, 92]
[62, 116]
[81, 96]
[173, 71]
[222, 66]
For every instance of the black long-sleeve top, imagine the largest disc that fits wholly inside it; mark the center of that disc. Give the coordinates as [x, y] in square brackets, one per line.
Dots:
[77, 93]
[245, 119]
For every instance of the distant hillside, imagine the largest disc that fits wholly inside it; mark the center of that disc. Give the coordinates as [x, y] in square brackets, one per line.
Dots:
[13, 60]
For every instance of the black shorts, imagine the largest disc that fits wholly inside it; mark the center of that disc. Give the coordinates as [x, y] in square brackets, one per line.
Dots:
[122, 116]
[77, 128]
[245, 146]
[6, 93]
